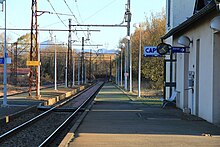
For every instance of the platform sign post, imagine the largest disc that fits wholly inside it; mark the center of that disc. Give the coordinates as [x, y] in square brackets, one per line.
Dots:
[33, 63]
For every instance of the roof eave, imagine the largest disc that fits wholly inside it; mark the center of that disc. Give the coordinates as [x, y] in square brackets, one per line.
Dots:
[208, 8]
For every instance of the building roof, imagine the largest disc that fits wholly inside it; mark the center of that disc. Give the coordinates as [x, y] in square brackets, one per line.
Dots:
[204, 11]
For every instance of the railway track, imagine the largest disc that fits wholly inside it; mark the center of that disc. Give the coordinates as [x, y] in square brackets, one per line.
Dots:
[45, 127]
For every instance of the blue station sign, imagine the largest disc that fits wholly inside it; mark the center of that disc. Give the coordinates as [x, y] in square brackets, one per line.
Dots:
[8, 60]
[179, 49]
[151, 51]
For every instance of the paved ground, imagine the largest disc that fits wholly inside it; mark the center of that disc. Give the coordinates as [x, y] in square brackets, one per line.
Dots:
[115, 120]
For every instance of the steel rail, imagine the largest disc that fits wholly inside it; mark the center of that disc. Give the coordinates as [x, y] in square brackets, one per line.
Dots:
[49, 138]
[8, 133]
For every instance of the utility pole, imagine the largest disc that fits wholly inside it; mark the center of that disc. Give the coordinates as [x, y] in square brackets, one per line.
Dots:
[110, 72]
[128, 54]
[69, 54]
[79, 71]
[34, 54]
[129, 43]
[73, 82]
[82, 61]
[90, 66]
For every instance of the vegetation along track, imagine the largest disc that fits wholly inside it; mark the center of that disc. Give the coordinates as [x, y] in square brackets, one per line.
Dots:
[42, 129]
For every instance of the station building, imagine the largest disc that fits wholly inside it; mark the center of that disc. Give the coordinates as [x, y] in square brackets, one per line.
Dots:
[196, 24]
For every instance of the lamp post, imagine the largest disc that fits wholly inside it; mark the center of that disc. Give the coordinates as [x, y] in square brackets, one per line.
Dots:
[130, 65]
[125, 68]
[121, 68]
[139, 60]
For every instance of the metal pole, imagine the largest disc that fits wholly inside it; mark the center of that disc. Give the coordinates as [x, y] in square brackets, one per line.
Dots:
[90, 66]
[82, 61]
[73, 72]
[130, 67]
[125, 70]
[37, 53]
[116, 70]
[69, 50]
[55, 66]
[85, 71]
[110, 72]
[66, 85]
[5, 65]
[38, 74]
[128, 44]
[139, 67]
[121, 67]
[78, 71]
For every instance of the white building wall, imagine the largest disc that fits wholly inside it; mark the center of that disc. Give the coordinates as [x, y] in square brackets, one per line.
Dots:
[205, 104]
[178, 11]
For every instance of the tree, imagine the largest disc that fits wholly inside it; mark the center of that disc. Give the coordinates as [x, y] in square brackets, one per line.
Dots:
[152, 67]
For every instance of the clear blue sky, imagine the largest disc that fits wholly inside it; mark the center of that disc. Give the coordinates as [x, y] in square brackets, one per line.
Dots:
[86, 12]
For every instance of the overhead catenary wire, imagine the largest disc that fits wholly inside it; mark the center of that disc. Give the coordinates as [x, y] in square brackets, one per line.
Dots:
[71, 11]
[56, 13]
[107, 5]
[77, 7]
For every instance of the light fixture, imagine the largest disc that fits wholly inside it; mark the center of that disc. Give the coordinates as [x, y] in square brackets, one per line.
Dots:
[128, 37]
[122, 45]
[184, 40]
[217, 2]
[215, 23]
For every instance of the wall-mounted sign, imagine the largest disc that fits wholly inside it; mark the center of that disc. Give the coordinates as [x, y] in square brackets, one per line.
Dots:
[179, 49]
[164, 48]
[151, 51]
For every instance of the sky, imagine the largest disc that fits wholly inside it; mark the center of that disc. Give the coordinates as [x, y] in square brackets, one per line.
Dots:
[102, 12]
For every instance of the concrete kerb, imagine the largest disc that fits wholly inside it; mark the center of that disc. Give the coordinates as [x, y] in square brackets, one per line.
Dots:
[124, 92]
[71, 134]
[52, 101]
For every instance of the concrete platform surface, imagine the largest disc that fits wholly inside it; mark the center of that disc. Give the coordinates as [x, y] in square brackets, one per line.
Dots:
[115, 120]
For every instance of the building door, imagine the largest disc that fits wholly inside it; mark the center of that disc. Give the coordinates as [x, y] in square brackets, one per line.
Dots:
[197, 77]
[216, 79]
[169, 76]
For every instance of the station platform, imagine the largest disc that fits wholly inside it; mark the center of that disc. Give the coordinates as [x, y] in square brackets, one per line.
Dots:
[116, 120]
[19, 103]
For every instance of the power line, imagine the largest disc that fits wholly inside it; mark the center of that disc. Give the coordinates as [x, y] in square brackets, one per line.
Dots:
[56, 13]
[71, 11]
[107, 5]
[55, 30]
[77, 7]
[42, 12]
[53, 24]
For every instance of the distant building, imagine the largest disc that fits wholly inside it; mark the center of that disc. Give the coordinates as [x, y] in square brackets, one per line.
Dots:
[46, 44]
[197, 73]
